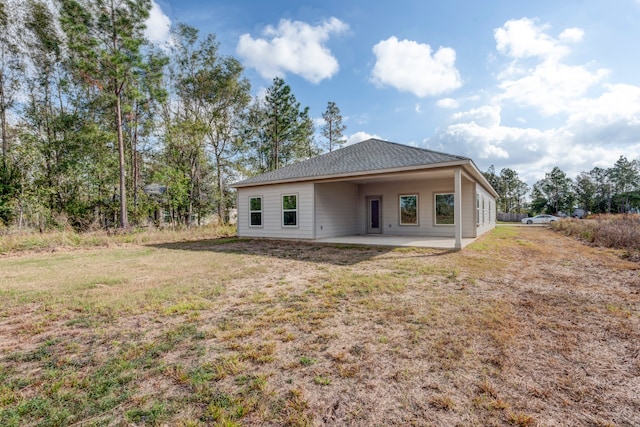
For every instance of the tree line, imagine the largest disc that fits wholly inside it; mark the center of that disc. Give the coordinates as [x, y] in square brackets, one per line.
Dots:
[100, 128]
[600, 190]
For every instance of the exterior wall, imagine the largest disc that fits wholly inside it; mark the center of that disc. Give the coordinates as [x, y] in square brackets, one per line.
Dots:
[336, 209]
[339, 209]
[468, 209]
[486, 215]
[426, 190]
[272, 211]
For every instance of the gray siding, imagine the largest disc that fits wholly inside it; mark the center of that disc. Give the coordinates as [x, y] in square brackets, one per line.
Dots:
[487, 218]
[468, 209]
[426, 191]
[336, 209]
[272, 211]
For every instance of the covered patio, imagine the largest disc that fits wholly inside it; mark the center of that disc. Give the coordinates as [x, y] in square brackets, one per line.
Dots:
[399, 241]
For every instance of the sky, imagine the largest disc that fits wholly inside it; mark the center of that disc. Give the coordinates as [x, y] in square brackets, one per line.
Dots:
[521, 85]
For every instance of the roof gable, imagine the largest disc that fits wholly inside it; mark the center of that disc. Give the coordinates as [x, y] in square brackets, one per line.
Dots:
[365, 156]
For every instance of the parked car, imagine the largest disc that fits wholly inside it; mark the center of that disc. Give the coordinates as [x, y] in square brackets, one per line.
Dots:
[540, 219]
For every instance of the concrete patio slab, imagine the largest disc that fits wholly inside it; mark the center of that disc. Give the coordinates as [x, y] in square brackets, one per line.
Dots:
[410, 241]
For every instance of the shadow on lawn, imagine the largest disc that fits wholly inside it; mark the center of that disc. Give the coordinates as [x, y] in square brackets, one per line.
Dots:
[326, 253]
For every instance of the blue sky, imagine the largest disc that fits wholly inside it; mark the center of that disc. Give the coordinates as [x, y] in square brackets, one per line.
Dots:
[525, 85]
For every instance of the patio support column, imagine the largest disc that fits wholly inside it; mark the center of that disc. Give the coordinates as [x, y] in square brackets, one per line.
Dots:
[457, 207]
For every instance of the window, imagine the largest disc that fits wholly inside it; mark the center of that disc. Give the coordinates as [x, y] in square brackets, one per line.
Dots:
[409, 209]
[477, 210]
[255, 211]
[290, 210]
[444, 209]
[485, 212]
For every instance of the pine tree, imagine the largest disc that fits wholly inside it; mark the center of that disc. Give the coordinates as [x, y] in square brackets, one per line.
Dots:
[557, 190]
[11, 68]
[280, 132]
[105, 38]
[333, 127]
[585, 190]
[625, 178]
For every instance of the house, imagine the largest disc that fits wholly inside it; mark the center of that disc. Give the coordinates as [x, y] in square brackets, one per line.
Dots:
[372, 187]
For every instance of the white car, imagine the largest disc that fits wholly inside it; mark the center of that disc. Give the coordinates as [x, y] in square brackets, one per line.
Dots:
[540, 219]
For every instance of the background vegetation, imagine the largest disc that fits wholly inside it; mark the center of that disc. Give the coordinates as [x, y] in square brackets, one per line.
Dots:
[100, 128]
[601, 190]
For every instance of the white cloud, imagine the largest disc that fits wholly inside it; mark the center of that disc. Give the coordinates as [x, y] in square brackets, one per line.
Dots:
[158, 25]
[611, 119]
[572, 35]
[618, 102]
[318, 122]
[409, 66]
[418, 109]
[595, 137]
[476, 132]
[293, 46]
[522, 38]
[448, 103]
[594, 121]
[549, 86]
[358, 137]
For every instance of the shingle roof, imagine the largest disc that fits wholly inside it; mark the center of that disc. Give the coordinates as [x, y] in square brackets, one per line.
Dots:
[365, 156]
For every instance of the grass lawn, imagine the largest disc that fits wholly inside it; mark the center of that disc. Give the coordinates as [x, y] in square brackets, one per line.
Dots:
[524, 327]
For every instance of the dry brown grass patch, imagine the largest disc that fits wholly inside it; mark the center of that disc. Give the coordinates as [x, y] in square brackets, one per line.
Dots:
[525, 327]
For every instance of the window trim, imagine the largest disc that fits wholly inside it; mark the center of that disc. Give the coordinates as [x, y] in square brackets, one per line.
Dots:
[261, 211]
[435, 208]
[410, 224]
[282, 196]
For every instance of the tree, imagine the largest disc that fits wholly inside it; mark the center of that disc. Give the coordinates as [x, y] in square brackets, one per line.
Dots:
[496, 183]
[279, 131]
[625, 178]
[539, 201]
[105, 38]
[9, 188]
[510, 188]
[556, 189]
[513, 190]
[603, 188]
[333, 127]
[203, 119]
[215, 90]
[585, 190]
[184, 168]
[140, 122]
[11, 68]
[52, 123]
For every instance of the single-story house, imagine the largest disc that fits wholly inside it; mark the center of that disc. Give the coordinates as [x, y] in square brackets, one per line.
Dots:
[372, 187]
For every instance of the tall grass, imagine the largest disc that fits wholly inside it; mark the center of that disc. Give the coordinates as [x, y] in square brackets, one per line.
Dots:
[53, 240]
[609, 231]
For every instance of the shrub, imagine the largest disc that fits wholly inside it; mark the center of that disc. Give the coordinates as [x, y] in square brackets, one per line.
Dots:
[609, 231]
